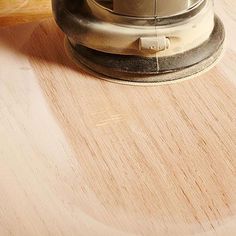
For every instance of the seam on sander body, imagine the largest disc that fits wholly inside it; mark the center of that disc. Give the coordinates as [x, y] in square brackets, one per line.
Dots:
[155, 22]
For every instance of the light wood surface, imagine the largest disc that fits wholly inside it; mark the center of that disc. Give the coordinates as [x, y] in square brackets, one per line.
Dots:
[80, 156]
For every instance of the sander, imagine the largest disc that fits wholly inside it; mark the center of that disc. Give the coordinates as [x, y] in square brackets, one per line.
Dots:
[141, 41]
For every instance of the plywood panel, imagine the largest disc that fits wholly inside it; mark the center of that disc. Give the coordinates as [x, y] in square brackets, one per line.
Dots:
[81, 156]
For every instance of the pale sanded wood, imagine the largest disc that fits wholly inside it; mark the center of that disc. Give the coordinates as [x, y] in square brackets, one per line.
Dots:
[81, 156]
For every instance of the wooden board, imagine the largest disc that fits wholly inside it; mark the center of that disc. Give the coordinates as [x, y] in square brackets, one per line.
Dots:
[81, 156]
[21, 11]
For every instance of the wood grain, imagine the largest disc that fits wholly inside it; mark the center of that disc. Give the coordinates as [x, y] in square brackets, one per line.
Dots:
[21, 11]
[81, 156]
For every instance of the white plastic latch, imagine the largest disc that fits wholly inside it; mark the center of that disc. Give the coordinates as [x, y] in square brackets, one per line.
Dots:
[154, 44]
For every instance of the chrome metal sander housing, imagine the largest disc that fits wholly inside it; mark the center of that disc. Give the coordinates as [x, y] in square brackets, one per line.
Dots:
[141, 41]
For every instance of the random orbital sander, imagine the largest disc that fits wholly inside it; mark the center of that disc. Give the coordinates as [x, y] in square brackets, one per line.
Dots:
[141, 41]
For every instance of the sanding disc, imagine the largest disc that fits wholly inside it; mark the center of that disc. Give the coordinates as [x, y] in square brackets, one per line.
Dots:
[149, 70]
